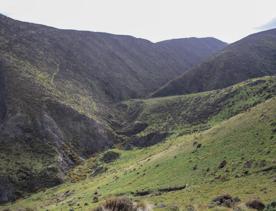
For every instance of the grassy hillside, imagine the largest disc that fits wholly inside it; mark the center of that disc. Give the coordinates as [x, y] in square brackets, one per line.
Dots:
[229, 147]
[200, 111]
[250, 57]
[245, 144]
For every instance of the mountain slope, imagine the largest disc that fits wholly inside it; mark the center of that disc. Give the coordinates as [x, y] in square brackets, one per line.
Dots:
[190, 162]
[57, 88]
[202, 49]
[253, 56]
[111, 66]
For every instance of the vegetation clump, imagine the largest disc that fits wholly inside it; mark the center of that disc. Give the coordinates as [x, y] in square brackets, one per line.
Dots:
[110, 156]
[255, 204]
[122, 204]
[225, 200]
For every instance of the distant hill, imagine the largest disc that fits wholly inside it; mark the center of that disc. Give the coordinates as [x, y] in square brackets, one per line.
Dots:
[253, 56]
[191, 51]
[110, 66]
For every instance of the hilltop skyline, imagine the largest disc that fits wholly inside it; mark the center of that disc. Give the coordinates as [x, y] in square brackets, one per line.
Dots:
[155, 21]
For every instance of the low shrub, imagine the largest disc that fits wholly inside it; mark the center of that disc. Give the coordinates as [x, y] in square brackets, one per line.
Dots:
[122, 204]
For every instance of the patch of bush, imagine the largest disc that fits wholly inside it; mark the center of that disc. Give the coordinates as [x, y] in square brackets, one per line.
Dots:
[255, 204]
[122, 204]
[225, 200]
[110, 156]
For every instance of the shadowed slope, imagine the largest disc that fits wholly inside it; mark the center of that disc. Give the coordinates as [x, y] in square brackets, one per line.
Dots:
[202, 49]
[112, 67]
[253, 56]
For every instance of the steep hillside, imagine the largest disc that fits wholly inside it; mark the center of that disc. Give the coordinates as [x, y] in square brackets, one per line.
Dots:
[57, 88]
[253, 56]
[235, 157]
[185, 114]
[110, 66]
[202, 49]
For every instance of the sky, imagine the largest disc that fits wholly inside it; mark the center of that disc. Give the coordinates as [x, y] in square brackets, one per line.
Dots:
[156, 20]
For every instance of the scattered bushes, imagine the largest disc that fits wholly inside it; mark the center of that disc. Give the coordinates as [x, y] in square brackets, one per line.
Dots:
[225, 200]
[122, 204]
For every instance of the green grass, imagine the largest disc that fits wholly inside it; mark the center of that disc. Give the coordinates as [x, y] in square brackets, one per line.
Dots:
[247, 136]
[196, 112]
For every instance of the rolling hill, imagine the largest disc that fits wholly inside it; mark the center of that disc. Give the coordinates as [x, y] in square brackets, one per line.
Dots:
[250, 57]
